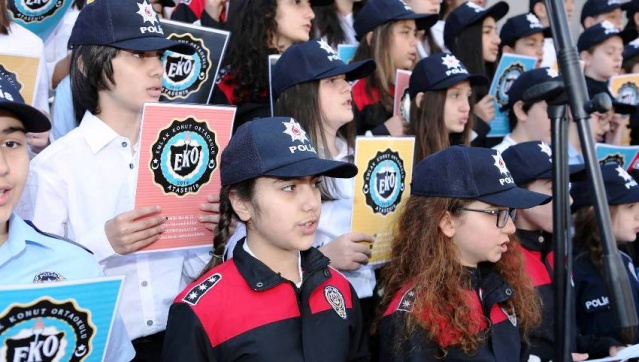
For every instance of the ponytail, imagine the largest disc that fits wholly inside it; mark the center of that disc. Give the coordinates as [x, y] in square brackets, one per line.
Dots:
[227, 214]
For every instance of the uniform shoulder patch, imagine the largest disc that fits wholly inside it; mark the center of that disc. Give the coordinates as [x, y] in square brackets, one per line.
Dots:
[193, 296]
[407, 301]
[335, 298]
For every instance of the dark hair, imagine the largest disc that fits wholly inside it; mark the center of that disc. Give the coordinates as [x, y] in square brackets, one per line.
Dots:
[327, 23]
[5, 22]
[252, 25]
[302, 102]
[79, 4]
[629, 63]
[384, 75]
[587, 238]
[245, 191]
[91, 71]
[428, 125]
[468, 48]
[512, 117]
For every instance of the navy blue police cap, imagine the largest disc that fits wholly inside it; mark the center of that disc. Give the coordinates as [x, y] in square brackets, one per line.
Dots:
[594, 8]
[123, 24]
[621, 188]
[474, 173]
[596, 34]
[276, 147]
[527, 80]
[518, 27]
[378, 12]
[314, 60]
[440, 71]
[468, 14]
[631, 49]
[11, 100]
[596, 87]
[530, 161]
[630, 7]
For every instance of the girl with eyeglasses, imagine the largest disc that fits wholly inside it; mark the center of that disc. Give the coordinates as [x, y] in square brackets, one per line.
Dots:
[456, 289]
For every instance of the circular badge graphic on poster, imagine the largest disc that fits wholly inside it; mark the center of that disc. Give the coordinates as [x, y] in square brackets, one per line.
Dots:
[508, 77]
[34, 10]
[628, 94]
[384, 182]
[46, 330]
[184, 156]
[185, 74]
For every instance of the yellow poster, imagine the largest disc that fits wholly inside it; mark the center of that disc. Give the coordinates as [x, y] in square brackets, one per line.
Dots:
[382, 185]
[625, 88]
[23, 71]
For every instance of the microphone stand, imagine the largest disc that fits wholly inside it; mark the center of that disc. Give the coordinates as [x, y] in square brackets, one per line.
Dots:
[616, 276]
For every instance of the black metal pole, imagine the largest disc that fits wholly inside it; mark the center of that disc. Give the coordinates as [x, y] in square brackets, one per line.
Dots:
[616, 276]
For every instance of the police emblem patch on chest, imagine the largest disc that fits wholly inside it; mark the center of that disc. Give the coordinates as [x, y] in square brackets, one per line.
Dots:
[512, 317]
[335, 298]
[197, 292]
[48, 276]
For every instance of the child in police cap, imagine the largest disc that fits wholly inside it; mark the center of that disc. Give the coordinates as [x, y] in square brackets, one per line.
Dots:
[530, 164]
[456, 288]
[595, 11]
[528, 120]
[277, 299]
[387, 32]
[26, 254]
[471, 35]
[440, 89]
[594, 315]
[83, 187]
[523, 35]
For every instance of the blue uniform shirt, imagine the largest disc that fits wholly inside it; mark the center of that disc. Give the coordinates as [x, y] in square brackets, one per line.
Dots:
[29, 256]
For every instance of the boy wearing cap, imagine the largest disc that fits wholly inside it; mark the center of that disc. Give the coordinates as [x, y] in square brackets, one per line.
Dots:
[26, 254]
[538, 7]
[277, 299]
[596, 11]
[524, 35]
[83, 187]
[528, 119]
[530, 164]
[601, 49]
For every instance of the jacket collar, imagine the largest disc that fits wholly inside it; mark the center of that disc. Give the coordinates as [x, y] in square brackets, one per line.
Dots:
[260, 277]
[539, 240]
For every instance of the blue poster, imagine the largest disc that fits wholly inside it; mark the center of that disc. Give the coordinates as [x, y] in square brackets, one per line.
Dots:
[626, 156]
[510, 67]
[41, 17]
[346, 52]
[63, 321]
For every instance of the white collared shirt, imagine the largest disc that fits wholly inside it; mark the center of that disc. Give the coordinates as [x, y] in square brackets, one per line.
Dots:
[86, 178]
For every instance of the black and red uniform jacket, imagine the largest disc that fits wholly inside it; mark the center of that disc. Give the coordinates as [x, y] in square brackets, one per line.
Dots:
[368, 111]
[502, 338]
[539, 265]
[223, 94]
[242, 310]
[190, 11]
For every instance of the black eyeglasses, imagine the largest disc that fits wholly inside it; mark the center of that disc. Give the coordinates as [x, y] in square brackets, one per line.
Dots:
[502, 215]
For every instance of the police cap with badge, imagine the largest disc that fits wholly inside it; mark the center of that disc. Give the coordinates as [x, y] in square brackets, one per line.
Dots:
[621, 188]
[468, 14]
[594, 8]
[11, 100]
[378, 12]
[528, 79]
[520, 26]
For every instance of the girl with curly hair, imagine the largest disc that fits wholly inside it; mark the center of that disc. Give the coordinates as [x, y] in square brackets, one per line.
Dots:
[259, 28]
[456, 288]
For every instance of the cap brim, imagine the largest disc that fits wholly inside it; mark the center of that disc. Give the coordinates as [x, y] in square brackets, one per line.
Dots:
[516, 198]
[32, 119]
[321, 2]
[576, 173]
[352, 71]
[496, 12]
[630, 197]
[315, 167]
[624, 108]
[475, 79]
[152, 43]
